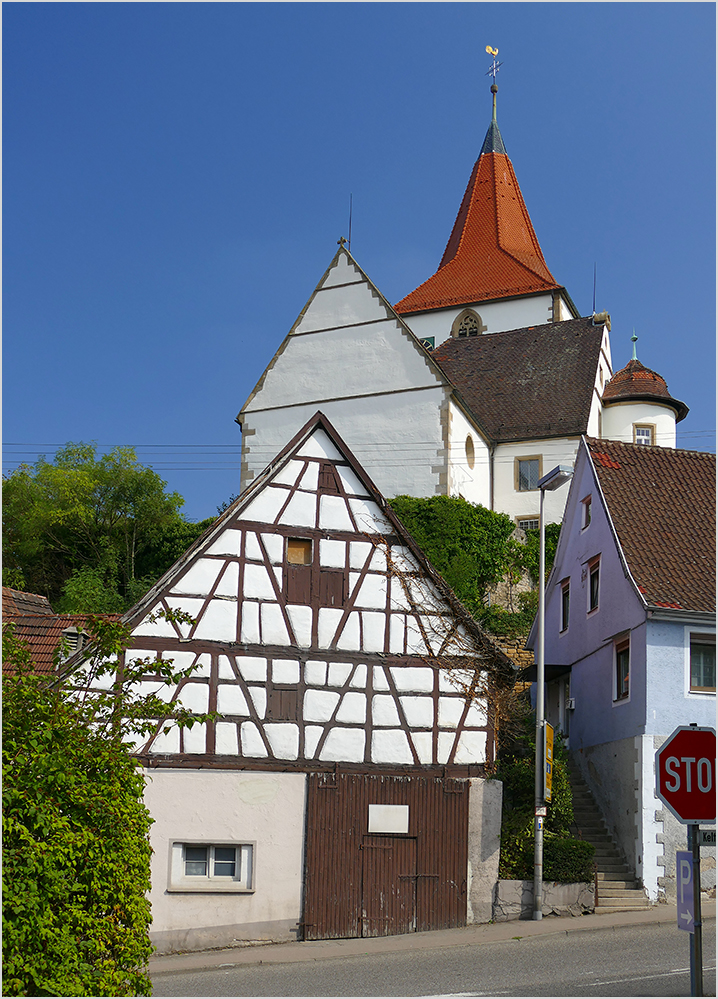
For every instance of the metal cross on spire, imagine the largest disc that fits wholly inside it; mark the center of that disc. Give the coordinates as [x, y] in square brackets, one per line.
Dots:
[495, 65]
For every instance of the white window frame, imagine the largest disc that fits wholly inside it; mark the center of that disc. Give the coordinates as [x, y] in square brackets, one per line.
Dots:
[644, 426]
[586, 512]
[590, 565]
[520, 521]
[243, 882]
[564, 587]
[687, 632]
[624, 639]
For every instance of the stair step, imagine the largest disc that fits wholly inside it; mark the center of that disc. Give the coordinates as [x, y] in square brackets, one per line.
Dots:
[615, 877]
[605, 892]
[606, 885]
[621, 908]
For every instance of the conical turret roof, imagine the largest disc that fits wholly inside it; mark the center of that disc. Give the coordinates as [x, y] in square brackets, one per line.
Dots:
[493, 251]
[637, 383]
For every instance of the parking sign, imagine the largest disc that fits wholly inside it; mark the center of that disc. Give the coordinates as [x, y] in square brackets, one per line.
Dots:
[684, 884]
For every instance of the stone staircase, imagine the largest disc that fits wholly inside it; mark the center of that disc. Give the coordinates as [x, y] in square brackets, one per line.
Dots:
[618, 889]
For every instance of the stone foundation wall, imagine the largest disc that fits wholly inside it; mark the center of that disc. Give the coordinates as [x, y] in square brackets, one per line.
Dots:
[515, 900]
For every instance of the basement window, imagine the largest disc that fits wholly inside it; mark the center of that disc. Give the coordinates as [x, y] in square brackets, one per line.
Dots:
[209, 867]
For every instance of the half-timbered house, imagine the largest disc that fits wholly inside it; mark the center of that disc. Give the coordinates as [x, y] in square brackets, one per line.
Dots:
[339, 789]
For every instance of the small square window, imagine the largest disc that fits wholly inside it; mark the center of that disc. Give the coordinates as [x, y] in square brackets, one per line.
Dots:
[643, 434]
[623, 665]
[208, 867]
[594, 575]
[528, 473]
[703, 663]
[565, 603]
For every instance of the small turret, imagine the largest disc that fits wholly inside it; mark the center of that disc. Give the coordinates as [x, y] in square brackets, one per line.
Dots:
[638, 408]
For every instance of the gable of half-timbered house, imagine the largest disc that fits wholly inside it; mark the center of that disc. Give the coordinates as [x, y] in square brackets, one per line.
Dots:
[319, 632]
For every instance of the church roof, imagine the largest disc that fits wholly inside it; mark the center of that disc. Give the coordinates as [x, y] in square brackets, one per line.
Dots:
[662, 504]
[529, 383]
[637, 383]
[493, 251]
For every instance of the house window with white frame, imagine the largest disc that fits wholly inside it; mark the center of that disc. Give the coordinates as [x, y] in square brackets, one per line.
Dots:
[594, 579]
[644, 434]
[703, 663]
[201, 866]
[528, 523]
[565, 603]
[622, 668]
[586, 512]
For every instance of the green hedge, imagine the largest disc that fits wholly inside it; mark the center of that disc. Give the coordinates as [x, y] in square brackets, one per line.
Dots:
[564, 860]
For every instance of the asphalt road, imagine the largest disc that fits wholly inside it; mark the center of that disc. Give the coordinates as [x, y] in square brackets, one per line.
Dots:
[649, 960]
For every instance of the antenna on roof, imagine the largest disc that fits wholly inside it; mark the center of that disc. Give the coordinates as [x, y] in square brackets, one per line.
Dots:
[350, 223]
[633, 340]
[594, 288]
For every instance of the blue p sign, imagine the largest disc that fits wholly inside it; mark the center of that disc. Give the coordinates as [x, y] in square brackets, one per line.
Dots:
[684, 884]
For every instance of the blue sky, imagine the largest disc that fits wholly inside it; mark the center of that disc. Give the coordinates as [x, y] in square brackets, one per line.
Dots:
[176, 177]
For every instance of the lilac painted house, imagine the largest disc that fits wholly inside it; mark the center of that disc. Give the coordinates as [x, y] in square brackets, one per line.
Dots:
[630, 634]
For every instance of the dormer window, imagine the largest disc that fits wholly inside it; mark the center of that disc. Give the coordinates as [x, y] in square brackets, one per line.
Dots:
[467, 323]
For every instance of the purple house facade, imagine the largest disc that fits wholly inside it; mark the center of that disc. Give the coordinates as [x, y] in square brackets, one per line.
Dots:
[630, 634]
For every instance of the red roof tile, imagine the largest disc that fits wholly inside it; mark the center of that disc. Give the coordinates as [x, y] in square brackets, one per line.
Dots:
[16, 602]
[492, 252]
[662, 503]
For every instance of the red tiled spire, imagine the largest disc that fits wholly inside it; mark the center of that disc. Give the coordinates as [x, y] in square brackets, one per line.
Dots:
[493, 251]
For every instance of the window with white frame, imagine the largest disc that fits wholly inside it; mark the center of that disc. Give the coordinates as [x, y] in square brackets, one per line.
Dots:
[703, 663]
[622, 668]
[586, 514]
[565, 603]
[528, 523]
[209, 867]
[594, 579]
[644, 433]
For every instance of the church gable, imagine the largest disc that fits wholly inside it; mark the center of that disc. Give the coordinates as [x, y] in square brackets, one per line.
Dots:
[318, 630]
[347, 341]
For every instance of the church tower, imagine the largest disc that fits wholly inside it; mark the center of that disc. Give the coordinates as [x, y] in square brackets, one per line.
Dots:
[492, 276]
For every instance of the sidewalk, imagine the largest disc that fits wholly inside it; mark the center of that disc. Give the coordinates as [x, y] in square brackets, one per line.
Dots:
[485, 933]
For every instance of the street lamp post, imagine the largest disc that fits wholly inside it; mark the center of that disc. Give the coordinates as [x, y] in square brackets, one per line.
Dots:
[552, 480]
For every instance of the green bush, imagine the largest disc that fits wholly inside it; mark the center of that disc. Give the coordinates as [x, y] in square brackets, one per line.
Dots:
[565, 860]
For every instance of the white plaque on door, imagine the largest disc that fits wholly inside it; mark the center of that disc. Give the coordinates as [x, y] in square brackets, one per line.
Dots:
[388, 818]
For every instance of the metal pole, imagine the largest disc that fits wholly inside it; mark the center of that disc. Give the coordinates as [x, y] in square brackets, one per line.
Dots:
[540, 673]
[697, 934]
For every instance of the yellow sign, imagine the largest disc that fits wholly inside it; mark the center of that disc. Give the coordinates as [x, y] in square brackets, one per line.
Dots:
[548, 742]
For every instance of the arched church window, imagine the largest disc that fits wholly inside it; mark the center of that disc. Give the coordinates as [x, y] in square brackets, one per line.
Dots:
[470, 453]
[467, 323]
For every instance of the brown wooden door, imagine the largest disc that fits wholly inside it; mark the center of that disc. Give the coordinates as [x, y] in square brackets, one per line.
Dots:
[388, 886]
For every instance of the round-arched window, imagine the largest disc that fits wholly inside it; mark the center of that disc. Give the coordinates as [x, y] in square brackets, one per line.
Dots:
[470, 453]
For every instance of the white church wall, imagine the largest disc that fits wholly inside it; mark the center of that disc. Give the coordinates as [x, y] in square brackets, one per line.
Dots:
[398, 436]
[262, 811]
[519, 504]
[468, 460]
[508, 314]
[620, 418]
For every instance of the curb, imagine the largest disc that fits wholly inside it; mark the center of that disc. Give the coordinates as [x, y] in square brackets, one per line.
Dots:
[476, 935]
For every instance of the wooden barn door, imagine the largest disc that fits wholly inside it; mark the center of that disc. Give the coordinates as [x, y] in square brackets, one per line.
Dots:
[359, 883]
[388, 886]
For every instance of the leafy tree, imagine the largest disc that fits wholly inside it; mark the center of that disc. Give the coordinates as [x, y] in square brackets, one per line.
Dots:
[90, 533]
[76, 866]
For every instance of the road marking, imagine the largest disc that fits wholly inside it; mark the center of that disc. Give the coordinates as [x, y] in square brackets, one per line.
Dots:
[643, 978]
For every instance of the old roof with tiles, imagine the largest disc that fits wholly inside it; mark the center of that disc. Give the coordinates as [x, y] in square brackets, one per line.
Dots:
[637, 383]
[662, 503]
[493, 251]
[528, 383]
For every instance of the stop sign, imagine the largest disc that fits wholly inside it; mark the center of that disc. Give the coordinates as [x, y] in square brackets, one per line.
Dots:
[685, 774]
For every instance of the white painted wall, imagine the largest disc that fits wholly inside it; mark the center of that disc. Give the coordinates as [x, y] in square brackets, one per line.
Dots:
[558, 451]
[471, 483]
[619, 419]
[266, 809]
[508, 314]
[397, 437]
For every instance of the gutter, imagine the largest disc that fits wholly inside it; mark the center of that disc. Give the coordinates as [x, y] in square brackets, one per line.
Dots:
[680, 616]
